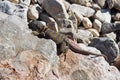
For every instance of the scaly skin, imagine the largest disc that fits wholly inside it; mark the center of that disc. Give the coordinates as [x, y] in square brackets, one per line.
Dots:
[64, 43]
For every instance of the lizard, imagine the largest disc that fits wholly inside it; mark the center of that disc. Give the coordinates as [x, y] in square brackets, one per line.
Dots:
[63, 43]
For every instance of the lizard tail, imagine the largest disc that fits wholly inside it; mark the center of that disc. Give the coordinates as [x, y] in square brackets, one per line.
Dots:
[76, 48]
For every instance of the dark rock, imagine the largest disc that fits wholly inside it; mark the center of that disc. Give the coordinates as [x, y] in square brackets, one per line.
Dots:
[110, 27]
[117, 36]
[107, 46]
[119, 45]
[106, 28]
[114, 3]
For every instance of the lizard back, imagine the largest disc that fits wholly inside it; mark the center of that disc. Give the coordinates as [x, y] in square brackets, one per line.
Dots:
[56, 37]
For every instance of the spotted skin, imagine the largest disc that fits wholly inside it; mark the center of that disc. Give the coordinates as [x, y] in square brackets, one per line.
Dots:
[63, 43]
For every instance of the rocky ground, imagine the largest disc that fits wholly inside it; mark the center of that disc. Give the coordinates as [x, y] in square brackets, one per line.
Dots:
[94, 23]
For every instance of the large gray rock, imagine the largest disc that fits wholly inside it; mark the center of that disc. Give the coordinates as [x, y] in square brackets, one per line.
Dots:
[30, 65]
[85, 11]
[103, 15]
[55, 8]
[107, 46]
[16, 37]
[79, 67]
[3, 15]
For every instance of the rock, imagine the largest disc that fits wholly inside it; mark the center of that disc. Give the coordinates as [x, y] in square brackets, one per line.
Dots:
[114, 3]
[96, 7]
[83, 36]
[97, 25]
[103, 15]
[31, 64]
[7, 7]
[31, 59]
[14, 9]
[101, 3]
[21, 51]
[79, 67]
[51, 23]
[82, 2]
[116, 17]
[94, 32]
[73, 18]
[25, 65]
[119, 45]
[107, 46]
[66, 4]
[89, 48]
[3, 15]
[21, 11]
[48, 49]
[34, 11]
[116, 62]
[110, 27]
[20, 38]
[111, 35]
[34, 1]
[79, 18]
[85, 11]
[87, 23]
[55, 8]
[14, 25]
[14, 1]
[107, 28]
[66, 30]
[40, 2]
[25, 2]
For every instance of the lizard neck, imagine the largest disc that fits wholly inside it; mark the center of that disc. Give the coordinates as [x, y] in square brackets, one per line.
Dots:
[45, 30]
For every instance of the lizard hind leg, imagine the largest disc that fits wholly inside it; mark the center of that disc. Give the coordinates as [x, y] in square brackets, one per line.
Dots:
[63, 48]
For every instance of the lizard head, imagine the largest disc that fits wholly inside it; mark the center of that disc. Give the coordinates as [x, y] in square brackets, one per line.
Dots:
[36, 25]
